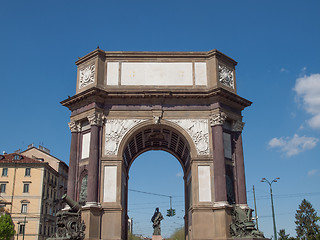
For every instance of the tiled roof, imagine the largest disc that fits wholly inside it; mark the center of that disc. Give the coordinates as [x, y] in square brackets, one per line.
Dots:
[10, 158]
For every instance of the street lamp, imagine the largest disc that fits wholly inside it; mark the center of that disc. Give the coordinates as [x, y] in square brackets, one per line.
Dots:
[274, 220]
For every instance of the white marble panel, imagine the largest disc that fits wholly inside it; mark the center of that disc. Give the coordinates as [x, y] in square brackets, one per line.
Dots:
[198, 131]
[156, 73]
[110, 184]
[112, 73]
[227, 145]
[204, 183]
[115, 131]
[200, 71]
[85, 145]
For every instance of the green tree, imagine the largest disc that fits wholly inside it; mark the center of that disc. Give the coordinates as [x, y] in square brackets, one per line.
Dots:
[178, 234]
[306, 222]
[284, 236]
[6, 227]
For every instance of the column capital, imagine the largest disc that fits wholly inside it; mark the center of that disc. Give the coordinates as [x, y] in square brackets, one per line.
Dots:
[237, 126]
[74, 126]
[217, 118]
[96, 118]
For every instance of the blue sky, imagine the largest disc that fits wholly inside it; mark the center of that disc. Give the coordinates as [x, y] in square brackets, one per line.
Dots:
[276, 44]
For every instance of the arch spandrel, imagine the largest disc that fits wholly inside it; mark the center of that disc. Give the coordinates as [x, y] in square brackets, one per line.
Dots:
[165, 127]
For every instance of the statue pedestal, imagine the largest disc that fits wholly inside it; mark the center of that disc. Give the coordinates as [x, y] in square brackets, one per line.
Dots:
[156, 237]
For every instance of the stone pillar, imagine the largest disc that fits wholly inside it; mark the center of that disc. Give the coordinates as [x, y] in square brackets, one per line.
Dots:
[220, 186]
[239, 164]
[95, 121]
[75, 128]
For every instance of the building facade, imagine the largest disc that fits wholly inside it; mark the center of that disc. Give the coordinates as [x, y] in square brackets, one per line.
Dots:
[29, 191]
[185, 103]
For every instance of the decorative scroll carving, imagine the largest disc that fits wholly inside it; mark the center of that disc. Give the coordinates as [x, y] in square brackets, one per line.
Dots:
[237, 126]
[74, 126]
[217, 119]
[115, 131]
[242, 225]
[96, 118]
[86, 75]
[226, 76]
[198, 130]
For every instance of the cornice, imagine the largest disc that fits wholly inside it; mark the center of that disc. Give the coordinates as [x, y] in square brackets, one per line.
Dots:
[98, 95]
[126, 55]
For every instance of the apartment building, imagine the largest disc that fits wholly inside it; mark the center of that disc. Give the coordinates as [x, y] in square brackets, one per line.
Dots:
[31, 189]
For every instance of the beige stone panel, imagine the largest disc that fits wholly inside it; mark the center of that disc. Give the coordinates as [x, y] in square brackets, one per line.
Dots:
[202, 225]
[222, 220]
[91, 218]
[111, 225]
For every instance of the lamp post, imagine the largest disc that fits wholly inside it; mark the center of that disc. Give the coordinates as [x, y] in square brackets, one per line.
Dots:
[271, 196]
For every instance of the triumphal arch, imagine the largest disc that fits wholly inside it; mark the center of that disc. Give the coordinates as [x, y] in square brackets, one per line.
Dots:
[185, 103]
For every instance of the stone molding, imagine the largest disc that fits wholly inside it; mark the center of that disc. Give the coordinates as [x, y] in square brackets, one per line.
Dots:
[74, 126]
[217, 119]
[237, 126]
[116, 129]
[96, 118]
[198, 131]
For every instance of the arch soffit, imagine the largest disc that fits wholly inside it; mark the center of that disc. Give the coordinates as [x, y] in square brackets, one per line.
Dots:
[149, 123]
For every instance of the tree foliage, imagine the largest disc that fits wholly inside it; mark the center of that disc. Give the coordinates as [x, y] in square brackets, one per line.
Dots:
[306, 222]
[178, 234]
[6, 227]
[284, 236]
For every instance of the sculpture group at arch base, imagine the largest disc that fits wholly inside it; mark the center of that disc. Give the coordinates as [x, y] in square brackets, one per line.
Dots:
[185, 103]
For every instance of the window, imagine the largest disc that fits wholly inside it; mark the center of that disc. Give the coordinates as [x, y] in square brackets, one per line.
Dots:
[16, 157]
[4, 172]
[24, 208]
[28, 171]
[21, 229]
[3, 188]
[40, 229]
[45, 230]
[26, 187]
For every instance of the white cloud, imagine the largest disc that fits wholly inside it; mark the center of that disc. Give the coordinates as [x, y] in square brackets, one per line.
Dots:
[293, 146]
[179, 174]
[308, 93]
[313, 172]
[284, 70]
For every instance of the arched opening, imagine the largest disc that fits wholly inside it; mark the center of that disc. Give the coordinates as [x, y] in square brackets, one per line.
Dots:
[142, 144]
[153, 177]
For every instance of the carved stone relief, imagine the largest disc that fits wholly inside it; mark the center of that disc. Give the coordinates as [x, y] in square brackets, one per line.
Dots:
[198, 131]
[74, 126]
[115, 131]
[217, 119]
[86, 75]
[96, 118]
[226, 76]
[237, 126]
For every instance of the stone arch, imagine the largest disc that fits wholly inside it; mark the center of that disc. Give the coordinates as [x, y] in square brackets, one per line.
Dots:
[166, 136]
